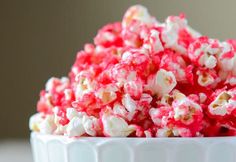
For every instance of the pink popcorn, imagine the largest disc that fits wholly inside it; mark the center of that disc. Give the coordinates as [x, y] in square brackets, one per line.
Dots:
[224, 103]
[203, 52]
[134, 88]
[152, 41]
[175, 63]
[161, 83]
[207, 78]
[109, 35]
[177, 35]
[142, 78]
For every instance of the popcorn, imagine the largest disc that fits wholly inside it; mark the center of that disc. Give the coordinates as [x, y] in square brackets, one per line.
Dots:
[134, 88]
[91, 125]
[137, 13]
[204, 51]
[115, 126]
[35, 121]
[207, 78]
[187, 111]
[161, 83]
[75, 127]
[223, 104]
[71, 113]
[143, 78]
[153, 42]
[129, 103]
[175, 33]
[47, 126]
[107, 94]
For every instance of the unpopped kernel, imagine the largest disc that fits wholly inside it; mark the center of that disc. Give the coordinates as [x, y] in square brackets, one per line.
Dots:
[144, 78]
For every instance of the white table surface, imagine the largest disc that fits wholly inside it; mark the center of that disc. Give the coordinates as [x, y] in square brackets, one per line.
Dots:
[15, 151]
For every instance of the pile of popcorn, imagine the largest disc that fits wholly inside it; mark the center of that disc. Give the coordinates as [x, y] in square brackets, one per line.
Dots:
[143, 78]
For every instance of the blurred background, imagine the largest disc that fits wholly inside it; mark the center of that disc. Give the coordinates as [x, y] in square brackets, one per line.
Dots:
[40, 38]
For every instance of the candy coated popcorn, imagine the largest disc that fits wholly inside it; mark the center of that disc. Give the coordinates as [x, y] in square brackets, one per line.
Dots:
[144, 78]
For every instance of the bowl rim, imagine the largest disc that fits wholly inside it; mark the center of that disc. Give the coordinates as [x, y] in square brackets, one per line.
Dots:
[66, 138]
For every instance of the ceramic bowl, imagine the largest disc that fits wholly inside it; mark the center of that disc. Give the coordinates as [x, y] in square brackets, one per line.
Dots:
[51, 148]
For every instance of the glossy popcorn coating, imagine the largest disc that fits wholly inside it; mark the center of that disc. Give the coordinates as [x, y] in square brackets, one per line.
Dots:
[144, 78]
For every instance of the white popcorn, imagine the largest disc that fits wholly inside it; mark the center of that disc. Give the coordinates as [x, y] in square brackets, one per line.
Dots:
[161, 83]
[60, 130]
[35, 121]
[75, 127]
[47, 126]
[71, 113]
[115, 126]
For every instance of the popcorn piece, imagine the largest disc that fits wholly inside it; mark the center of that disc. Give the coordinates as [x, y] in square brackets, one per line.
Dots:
[223, 104]
[161, 83]
[84, 85]
[47, 126]
[153, 42]
[134, 88]
[175, 63]
[129, 103]
[75, 127]
[204, 52]
[187, 111]
[207, 78]
[161, 115]
[173, 132]
[107, 94]
[71, 113]
[91, 125]
[175, 33]
[115, 126]
[227, 57]
[137, 13]
[35, 121]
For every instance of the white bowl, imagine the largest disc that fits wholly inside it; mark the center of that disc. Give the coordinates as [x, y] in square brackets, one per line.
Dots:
[51, 148]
